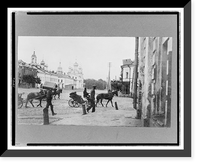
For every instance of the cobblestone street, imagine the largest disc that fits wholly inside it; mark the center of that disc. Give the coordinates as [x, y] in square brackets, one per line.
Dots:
[66, 115]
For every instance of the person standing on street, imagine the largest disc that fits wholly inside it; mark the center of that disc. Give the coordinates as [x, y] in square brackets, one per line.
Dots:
[49, 103]
[92, 99]
[85, 94]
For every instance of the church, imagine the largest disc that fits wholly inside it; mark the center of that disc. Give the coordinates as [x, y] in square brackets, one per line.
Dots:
[76, 73]
[72, 80]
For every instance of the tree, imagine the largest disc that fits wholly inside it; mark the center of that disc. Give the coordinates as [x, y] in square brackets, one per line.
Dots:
[37, 80]
[100, 84]
[116, 85]
[30, 79]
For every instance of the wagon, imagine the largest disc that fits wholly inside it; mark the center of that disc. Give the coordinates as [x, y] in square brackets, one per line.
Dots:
[49, 85]
[76, 100]
[20, 100]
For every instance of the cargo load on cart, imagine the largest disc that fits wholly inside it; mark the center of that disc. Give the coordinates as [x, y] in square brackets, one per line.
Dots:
[49, 85]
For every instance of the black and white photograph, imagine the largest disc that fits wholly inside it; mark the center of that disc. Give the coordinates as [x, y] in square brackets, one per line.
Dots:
[97, 80]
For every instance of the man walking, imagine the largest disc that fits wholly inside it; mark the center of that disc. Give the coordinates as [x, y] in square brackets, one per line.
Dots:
[92, 99]
[49, 99]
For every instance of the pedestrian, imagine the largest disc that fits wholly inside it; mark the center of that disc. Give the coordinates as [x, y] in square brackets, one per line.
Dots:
[85, 93]
[41, 86]
[49, 101]
[55, 90]
[92, 99]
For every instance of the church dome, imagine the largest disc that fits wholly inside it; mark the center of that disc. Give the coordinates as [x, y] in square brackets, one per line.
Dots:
[33, 55]
[42, 62]
[59, 68]
[75, 64]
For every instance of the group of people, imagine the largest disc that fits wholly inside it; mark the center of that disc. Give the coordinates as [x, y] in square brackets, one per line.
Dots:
[90, 97]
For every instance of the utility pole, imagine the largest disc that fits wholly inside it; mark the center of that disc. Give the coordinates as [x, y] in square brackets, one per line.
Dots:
[109, 84]
[136, 73]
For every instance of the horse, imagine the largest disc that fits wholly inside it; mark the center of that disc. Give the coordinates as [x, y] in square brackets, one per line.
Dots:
[37, 96]
[57, 92]
[107, 96]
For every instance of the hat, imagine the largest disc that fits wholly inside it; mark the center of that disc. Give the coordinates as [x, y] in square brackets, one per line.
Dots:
[94, 86]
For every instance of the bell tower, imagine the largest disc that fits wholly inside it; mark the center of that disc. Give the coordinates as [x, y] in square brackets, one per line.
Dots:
[34, 58]
[59, 70]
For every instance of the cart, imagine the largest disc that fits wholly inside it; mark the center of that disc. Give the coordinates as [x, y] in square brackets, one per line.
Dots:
[20, 100]
[76, 100]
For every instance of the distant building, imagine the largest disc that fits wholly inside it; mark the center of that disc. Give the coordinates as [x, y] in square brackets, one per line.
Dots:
[127, 74]
[76, 73]
[63, 80]
[34, 58]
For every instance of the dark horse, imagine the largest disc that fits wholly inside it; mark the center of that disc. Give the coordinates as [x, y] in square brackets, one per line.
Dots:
[37, 96]
[57, 92]
[107, 96]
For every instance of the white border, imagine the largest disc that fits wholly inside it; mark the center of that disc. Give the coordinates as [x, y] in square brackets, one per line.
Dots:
[9, 49]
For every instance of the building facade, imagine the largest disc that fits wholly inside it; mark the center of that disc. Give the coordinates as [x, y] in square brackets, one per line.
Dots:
[63, 80]
[76, 73]
[154, 81]
[25, 69]
[127, 75]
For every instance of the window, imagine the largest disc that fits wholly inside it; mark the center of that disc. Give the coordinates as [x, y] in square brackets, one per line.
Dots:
[144, 43]
[166, 87]
[154, 58]
[167, 71]
[152, 88]
[126, 74]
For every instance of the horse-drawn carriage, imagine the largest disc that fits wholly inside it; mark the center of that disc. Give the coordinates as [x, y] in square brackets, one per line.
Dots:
[50, 85]
[76, 100]
[39, 95]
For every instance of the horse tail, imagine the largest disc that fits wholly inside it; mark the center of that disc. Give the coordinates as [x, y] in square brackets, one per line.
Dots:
[97, 100]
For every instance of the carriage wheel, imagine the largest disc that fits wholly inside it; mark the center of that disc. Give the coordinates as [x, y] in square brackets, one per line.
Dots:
[20, 104]
[71, 103]
[76, 104]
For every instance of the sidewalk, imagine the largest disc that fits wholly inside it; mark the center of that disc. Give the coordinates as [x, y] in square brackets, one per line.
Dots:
[101, 118]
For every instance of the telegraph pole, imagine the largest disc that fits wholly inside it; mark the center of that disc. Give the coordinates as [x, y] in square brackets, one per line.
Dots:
[136, 73]
[109, 85]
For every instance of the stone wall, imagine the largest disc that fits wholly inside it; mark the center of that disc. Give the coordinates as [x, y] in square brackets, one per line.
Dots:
[154, 81]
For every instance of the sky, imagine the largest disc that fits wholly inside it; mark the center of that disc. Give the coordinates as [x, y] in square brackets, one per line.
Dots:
[93, 54]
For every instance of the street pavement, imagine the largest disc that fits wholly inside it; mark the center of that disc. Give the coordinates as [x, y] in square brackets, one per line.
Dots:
[66, 115]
